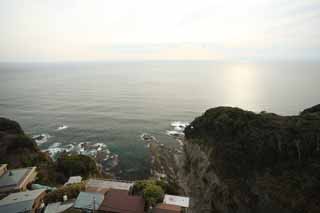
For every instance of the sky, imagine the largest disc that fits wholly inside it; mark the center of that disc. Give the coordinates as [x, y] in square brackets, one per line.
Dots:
[108, 30]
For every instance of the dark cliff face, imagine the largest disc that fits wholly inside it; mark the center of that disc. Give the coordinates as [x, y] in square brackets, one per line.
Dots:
[16, 148]
[240, 161]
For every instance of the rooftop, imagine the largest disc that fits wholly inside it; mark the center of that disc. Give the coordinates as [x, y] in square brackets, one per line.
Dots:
[85, 200]
[176, 200]
[166, 208]
[74, 179]
[59, 207]
[14, 177]
[121, 202]
[108, 184]
[20, 201]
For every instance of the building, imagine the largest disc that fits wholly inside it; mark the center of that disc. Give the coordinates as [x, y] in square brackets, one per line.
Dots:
[119, 201]
[172, 204]
[16, 179]
[74, 179]
[88, 201]
[167, 208]
[28, 201]
[102, 186]
[176, 200]
[59, 207]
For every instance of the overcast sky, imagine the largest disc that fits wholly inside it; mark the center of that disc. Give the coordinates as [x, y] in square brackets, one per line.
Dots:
[64, 30]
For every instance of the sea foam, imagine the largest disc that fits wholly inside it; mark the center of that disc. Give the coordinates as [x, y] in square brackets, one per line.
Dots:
[42, 138]
[62, 127]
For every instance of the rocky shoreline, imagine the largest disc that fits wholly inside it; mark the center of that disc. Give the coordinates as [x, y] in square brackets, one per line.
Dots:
[239, 161]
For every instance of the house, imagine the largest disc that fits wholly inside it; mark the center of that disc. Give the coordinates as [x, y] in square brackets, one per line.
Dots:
[167, 208]
[28, 201]
[74, 179]
[88, 201]
[102, 186]
[119, 201]
[16, 179]
[59, 207]
[172, 204]
[176, 200]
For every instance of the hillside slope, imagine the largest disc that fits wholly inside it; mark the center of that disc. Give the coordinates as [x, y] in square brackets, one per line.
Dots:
[240, 161]
[19, 150]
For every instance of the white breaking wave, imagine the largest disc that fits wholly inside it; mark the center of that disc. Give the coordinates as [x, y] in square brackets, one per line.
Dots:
[42, 138]
[54, 149]
[179, 125]
[178, 128]
[174, 133]
[62, 127]
[85, 148]
[147, 137]
[55, 145]
[100, 146]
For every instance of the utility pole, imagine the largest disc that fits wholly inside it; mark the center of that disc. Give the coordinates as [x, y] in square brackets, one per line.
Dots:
[94, 204]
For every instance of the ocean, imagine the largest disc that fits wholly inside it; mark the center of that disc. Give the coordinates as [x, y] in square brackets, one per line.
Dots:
[105, 107]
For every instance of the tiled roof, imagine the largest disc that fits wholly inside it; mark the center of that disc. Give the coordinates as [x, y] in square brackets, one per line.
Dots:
[166, 208]
[121, 202]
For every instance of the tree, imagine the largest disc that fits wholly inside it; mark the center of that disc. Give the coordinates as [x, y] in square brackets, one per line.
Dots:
[153, 194]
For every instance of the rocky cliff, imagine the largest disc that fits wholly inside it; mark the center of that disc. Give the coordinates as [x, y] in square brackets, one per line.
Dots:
[239, 161]
[19, 150]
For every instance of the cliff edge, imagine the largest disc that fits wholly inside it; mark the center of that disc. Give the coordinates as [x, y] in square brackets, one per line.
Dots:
[19, 150]
[241, 161]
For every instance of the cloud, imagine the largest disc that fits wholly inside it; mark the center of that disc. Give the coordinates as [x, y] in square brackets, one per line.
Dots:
[147, 29]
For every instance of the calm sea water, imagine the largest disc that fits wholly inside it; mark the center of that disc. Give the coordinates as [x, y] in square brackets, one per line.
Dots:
[114, 103]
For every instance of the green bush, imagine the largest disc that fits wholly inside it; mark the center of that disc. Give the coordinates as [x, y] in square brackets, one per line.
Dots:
[153, 194]
[72, 191]
[74, 165]
[152, 191]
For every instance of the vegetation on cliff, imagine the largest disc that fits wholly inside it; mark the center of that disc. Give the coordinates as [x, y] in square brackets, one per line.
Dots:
[19, 150]
[72, 191]
[77, 165]
[152, 190]
[255, 156]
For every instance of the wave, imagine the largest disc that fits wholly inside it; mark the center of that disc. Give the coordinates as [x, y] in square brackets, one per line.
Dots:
[179, 125]
[62, 127]
[84, 148]
[174, 133]
[42, 138]
[55, 145]
[147, 137]
[178, 128]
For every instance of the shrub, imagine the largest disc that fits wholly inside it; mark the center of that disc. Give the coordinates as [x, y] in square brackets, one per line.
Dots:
[152, 191]
[72, 191]
[73, 165]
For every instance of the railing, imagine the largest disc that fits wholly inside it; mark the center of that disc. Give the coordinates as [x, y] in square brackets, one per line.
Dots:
[114, 180]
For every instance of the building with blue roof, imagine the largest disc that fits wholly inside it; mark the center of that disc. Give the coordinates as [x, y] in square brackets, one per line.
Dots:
[27, 201]
[89, 201]
[16, 179]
